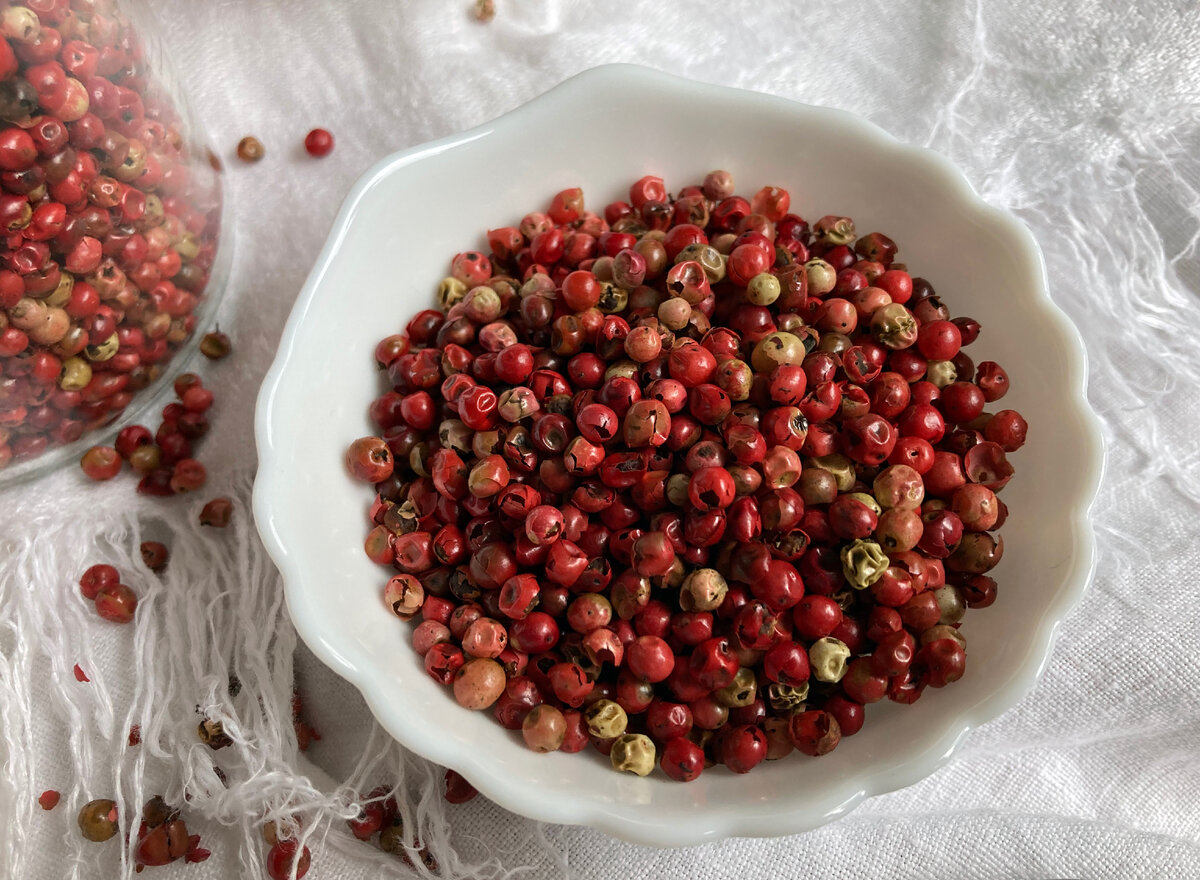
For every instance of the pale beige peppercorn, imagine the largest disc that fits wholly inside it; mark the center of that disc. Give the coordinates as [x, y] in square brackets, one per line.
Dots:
[702, 590]
[942, 631]
[863, 563]
[633, 753]
[450, 292]
[786, 698]
[950, 603]
[840, 466]
[776, 349]
[763, 289]
[941, 373]
[605, 719]
[741, 691]
[828, 658]
[822, 277]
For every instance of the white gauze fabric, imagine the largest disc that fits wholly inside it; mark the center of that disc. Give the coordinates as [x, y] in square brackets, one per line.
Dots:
[1081, 117]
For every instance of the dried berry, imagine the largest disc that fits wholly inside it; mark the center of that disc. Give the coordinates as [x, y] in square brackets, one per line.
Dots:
[212, 734]
[217, 513]
[318, 143]
[286, 857]
[155, 555]
[116, 603]
[215, 345]
[98, 820]
[250, 149]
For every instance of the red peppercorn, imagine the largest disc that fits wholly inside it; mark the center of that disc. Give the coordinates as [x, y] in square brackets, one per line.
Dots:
[787, 663]
[743, 748]
[941, 662]
[216, 513]
[96, 578]
[711, 488]
[665, 721]
[682, 759]
[534, 634]
[116, 603]
[650, 658]
[1006, 428]
[816, 617]
[939, 340]
[647, 189]
[369, 459]
[814, 732]
[849, 714]
[101, 463]
[318, 143]
[285, 857]
[714, 663]
[188, 476]
[893, 654]
[961, 402]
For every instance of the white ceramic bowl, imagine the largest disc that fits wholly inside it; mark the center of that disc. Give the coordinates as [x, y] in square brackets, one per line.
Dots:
[392, 242]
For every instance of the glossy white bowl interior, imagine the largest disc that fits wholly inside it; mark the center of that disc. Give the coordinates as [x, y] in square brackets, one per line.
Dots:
[601, 130]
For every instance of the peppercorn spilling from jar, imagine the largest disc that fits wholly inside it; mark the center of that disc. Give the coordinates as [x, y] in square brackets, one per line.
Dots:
[687, 479]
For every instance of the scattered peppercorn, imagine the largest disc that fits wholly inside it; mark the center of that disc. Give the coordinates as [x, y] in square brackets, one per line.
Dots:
[212, 734]
[96, 578]
[116, 603]
[285, 857]
[155, 555]
[305, 733]
[100, 463]
[48, 799]
[653, 471]
[458, 790]
[484, 10]
[250, 149]
[216, 513]
[318, 143]
[162, 837]
[98, 820]
[215, 345]
[391, 838]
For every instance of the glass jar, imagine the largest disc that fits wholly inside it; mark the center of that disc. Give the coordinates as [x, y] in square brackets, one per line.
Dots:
[111, 254]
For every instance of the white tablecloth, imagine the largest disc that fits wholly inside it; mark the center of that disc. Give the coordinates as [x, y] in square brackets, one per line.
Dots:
[1082, 117]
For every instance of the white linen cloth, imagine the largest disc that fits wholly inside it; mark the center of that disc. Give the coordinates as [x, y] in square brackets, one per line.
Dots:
[1081, 117]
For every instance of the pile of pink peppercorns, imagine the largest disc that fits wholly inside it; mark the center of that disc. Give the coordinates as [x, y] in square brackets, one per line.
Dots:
[109, 225]
[692, 479]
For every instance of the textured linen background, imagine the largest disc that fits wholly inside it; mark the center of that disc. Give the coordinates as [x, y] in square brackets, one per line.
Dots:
[1082, 117]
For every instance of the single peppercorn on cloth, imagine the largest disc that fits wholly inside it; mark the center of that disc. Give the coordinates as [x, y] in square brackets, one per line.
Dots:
[1081, 116]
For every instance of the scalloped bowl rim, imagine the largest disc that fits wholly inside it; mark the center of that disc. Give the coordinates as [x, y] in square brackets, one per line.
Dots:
[348, 661]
